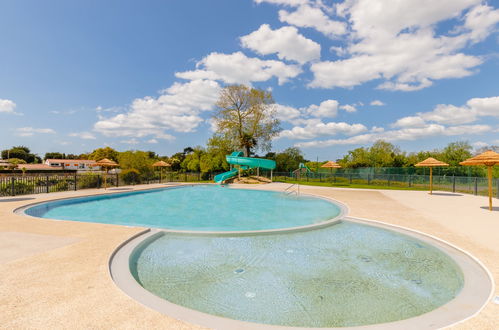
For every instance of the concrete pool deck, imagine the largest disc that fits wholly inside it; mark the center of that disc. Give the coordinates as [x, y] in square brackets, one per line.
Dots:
[55, 273]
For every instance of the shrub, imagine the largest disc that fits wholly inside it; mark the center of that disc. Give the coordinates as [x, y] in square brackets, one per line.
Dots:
[130, 176]
[88, 180]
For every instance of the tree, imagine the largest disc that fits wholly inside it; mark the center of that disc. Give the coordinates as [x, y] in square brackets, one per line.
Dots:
[137, 160]
[456, 152]
[102, 153]
[193, 160]
[289, 159]
[21, 152]
[54, 155]
[246, 117]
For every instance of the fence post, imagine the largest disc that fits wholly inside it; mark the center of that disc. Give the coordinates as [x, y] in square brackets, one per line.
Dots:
[497, 188]
[47, 184]
[75, 180]
[476, 186]
[368, 179]
[389, 177]
[453, 184]
[99, 181]
[117, 180]
[13, 186]
[350, 176]
[410, 181]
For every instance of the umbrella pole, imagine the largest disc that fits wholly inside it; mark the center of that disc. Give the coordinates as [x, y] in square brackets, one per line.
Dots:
[490, 186]
[431, 180]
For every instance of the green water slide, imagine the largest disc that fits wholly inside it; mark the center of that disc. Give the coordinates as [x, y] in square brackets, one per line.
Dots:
[236, 158]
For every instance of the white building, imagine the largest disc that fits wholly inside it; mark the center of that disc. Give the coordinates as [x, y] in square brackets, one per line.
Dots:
[74, 164]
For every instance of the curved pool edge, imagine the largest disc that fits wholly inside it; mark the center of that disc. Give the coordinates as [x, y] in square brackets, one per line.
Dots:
[343, 211]
[477, 291]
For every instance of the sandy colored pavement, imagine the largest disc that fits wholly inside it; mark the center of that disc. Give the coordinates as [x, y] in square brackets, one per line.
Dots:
[54, 274]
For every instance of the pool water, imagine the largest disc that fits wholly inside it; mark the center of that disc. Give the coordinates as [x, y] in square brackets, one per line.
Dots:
[347, 274]
[199, 208]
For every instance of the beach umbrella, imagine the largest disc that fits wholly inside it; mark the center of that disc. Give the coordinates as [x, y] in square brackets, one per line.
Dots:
[106, 164]
[161, 164]
[489, 159]
[330, 164]
[431, 163]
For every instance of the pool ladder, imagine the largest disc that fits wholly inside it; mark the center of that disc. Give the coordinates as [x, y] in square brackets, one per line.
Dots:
[296, 190]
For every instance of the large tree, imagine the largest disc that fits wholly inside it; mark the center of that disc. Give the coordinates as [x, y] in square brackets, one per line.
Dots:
[246, 117]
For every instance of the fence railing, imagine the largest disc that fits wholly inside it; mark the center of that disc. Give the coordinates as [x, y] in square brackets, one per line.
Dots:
[456, 184]
[12, 185]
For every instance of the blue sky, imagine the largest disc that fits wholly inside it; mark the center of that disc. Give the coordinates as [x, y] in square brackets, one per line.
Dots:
[77, 75]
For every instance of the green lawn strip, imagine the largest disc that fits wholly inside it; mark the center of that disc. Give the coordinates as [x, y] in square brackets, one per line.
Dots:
[353, 185]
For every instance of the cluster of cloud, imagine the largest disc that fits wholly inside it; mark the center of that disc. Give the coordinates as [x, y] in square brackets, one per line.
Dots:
[444, 120]
[402, 45]
[399, 43]
[30, 131]
[177, 109]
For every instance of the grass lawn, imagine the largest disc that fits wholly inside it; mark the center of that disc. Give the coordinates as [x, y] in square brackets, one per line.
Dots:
[353, 185]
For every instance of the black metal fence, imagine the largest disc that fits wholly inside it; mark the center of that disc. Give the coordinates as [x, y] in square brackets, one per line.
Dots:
[456, 184]
[12, 185]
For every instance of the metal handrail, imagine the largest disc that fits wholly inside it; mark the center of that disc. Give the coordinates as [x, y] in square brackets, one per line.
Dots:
[297, 191]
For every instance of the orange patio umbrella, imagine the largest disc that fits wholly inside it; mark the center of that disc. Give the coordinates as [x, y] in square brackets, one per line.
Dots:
[161, 164]
[106, 164]
[489, 159]
[431, 163]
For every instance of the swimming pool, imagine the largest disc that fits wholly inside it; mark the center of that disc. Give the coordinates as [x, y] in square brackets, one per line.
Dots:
[347, 274]
[194, 208]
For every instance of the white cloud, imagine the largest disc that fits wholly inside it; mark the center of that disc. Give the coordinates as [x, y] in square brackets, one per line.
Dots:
[286, 42]
[177, 109]
[348, 108]
[153, 141]
[411, 121]
[238, 68]
[7, 106]
[313, 17]
[399, 43]
[404, 134]
[487, 106]
[315, 127]
[286, 113]
[479, 144]
[30, 131]
[83, 135]
[291, 3]
[377, 103]
[328, 109]
[132, 141]
[450, 114]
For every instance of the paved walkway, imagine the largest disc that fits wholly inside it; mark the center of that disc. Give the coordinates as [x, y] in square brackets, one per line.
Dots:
[55, 273]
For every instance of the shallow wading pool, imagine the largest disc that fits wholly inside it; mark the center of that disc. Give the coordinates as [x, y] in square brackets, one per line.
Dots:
[345, 275]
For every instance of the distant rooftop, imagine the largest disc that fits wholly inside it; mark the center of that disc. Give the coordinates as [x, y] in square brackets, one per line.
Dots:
[71, 161]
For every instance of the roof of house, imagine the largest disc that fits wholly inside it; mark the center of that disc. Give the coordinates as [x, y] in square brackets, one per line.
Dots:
[71, 161]
[38, 167]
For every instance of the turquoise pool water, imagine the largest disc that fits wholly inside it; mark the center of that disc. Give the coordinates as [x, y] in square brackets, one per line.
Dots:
[343, 275]
[202, 208]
